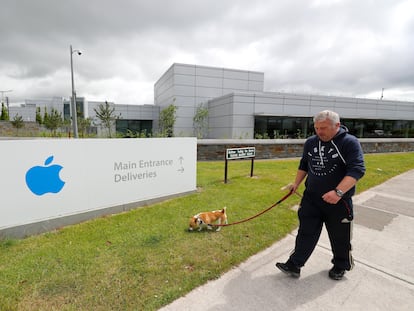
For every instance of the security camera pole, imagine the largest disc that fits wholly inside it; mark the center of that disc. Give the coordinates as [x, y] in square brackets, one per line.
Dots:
[73, 101]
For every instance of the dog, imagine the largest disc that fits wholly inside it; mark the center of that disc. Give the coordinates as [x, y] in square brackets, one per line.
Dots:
[207, 220]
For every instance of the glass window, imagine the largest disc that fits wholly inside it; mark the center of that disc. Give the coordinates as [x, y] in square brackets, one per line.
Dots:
[134, 128]
[302, 127]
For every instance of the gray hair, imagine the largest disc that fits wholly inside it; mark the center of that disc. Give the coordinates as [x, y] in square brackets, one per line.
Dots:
[326, 115]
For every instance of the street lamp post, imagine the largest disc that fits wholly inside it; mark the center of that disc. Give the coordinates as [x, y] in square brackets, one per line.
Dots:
[73, 101]
[2, 95]
[7, 100]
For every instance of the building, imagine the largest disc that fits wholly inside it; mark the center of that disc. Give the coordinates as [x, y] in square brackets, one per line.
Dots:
[282, 115]
[136, 119]
[189, 87]
[131, 118]
[238, 107]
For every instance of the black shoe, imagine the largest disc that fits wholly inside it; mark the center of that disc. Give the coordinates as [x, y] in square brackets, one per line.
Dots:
[289, 268]
[336, 273]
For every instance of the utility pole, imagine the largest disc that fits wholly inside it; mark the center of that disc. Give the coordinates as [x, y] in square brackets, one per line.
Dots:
[2, 95]
[73, 101]
[7, 105]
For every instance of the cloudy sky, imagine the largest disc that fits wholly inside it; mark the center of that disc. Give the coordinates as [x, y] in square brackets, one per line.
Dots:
[331, 47]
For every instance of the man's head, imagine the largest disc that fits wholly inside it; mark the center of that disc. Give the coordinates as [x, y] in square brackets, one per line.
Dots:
[326, 124]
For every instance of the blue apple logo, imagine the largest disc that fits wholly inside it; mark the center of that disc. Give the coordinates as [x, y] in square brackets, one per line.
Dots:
[44, 179]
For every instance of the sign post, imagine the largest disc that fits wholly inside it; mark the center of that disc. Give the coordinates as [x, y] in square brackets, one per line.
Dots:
[238, 154]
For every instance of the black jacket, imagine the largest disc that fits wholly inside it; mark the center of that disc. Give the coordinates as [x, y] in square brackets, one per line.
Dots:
[327, 163]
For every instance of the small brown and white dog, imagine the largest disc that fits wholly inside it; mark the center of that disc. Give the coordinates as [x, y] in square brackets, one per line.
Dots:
[207, 220]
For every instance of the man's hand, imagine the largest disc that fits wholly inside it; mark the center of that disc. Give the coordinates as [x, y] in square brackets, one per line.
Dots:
[331, 197]
[292, 187]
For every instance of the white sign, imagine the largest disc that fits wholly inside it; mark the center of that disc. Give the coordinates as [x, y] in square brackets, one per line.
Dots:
[47, 179]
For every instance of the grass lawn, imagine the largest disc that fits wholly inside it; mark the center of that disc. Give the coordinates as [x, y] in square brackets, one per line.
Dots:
[145, 258]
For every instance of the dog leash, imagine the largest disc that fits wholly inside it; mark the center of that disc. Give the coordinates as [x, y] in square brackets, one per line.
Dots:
[257, 215]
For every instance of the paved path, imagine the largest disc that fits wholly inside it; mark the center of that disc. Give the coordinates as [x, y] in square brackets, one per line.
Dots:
[383, 277]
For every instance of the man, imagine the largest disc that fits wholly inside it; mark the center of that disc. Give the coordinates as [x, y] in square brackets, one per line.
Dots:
[332, 163]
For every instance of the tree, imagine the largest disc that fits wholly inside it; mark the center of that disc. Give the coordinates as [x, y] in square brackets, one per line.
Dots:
[4, 113]
[84, 124]
[53, 121]
[167, 120]
[67, 126]
[106, 114]
[200, 121]
[39, 119]
[17, 123]
[45, 117]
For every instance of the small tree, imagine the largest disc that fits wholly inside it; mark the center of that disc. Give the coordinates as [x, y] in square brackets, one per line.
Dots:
[106, 114]
[4, 113]
[45, 117]
[53, 121]
[84, 124]
[167, 120]
[67, 126]
[39, 119]
[200, 121]
[17, 123]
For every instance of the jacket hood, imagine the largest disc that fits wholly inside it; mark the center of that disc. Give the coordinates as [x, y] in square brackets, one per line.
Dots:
[342, 131]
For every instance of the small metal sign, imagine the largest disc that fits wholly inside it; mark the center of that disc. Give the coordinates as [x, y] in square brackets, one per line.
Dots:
[239, 153]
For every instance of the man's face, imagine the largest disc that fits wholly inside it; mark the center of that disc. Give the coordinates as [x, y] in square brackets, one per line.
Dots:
[326, 130]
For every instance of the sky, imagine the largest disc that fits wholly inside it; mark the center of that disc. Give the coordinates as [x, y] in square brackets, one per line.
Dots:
[327, 47]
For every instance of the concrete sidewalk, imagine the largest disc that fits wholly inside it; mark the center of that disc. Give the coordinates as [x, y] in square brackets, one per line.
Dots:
[383, 277]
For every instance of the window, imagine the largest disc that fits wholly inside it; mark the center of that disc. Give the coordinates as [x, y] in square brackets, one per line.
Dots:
[302, 127]
[134, 128]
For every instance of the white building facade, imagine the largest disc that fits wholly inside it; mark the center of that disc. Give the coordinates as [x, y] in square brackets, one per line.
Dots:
[238, 108]
[191, 86]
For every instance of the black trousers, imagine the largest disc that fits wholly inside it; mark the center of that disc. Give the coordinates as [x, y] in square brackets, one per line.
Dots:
[313, 213]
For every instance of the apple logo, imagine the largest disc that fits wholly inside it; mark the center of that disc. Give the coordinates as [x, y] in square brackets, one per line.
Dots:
[44, 179]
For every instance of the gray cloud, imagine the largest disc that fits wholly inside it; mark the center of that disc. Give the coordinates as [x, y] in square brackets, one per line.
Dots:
[342, 47]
